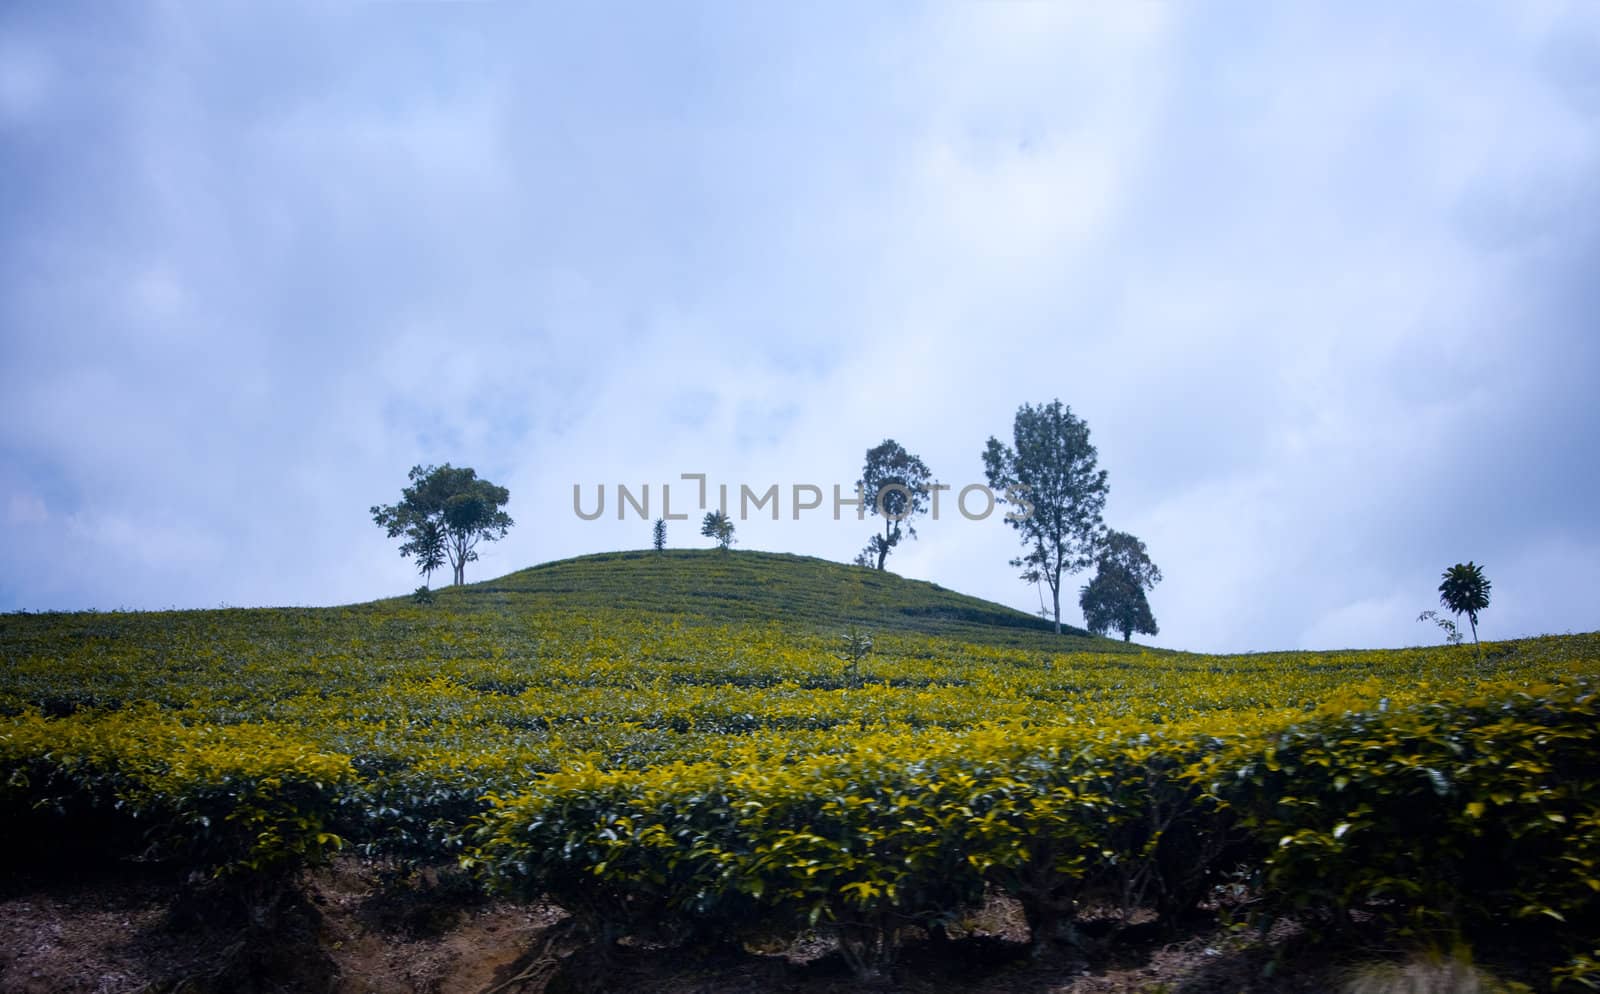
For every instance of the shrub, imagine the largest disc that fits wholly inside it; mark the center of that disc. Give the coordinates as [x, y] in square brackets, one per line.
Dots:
[248, 803]
[1452, 818]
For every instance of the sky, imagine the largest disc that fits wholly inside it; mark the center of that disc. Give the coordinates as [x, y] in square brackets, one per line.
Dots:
[1319, 278]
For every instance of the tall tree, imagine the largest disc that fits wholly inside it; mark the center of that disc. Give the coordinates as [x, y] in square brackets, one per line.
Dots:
[1465, 590]
[658, 534]
[450, 505]
[1115, 599]
[718, 526]
[895, 484]
[1050, 474]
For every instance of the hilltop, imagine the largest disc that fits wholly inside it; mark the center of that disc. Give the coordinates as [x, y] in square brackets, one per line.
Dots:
[744, 587]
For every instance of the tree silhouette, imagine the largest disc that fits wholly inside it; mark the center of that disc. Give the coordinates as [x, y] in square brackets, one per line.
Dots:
[1052, 469]
[718, 526]
[428, 545]
[895, 485]
[1465, 590]
[1114, 600]
[446, 504]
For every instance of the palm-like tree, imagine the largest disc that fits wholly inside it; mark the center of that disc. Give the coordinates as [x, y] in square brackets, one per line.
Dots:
[718, 526]
[429, 549]
[1465, 590]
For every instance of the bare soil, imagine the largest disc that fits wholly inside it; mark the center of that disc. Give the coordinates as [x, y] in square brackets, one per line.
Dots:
[360, 929]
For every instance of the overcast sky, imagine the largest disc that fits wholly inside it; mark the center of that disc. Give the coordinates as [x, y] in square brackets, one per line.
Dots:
[1321, 280]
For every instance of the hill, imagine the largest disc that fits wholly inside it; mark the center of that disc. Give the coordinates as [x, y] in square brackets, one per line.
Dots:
[767, 587]
[674, 748]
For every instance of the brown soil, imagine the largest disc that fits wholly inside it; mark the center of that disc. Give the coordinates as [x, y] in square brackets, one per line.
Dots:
[362, 931]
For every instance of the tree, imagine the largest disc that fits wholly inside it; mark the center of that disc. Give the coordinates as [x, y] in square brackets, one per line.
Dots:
[872, 556]
[429, 548]
[658, 534]
[1114, 600]
[1465, 590]
[718, 526]
[1452, 633]
[857, 645]
[1049, 473]
[895, 485]
[448, 506]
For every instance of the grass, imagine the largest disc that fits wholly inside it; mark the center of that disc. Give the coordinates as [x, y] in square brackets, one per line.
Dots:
[737, 586]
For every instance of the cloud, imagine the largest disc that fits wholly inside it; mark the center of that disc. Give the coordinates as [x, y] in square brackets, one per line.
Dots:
[1319, 281]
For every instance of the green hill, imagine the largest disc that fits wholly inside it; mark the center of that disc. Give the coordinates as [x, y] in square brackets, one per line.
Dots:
[765, 587]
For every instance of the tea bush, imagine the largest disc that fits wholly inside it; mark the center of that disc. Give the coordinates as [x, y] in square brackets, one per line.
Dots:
[697, 773]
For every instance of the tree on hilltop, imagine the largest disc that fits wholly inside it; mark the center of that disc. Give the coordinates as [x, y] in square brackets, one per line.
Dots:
[895, 485]
[449, 507]
[1115, 599]
[428, 546]
[718, 526]
[1465, 590]
[1049, 473]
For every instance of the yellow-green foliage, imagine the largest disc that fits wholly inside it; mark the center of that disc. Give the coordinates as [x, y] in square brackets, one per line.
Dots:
[1461, 813]
[1453, 815]
[689, 771]
[244, 799]
[892, 828]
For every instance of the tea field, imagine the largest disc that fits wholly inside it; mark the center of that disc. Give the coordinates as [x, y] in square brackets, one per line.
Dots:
[685, 745]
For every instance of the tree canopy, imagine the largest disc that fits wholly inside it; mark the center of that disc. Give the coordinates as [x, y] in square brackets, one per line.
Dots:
[895, 485]
[718, 527]
[1050, 474]
[446, 507]
[428, 546]
[1115, 599]
[1465, 590]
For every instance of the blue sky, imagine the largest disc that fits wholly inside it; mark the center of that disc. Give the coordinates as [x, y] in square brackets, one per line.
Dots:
[1319, 278]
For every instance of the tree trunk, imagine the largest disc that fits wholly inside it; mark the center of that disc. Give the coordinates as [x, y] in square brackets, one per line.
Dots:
[1476, 645]
[1055, 594]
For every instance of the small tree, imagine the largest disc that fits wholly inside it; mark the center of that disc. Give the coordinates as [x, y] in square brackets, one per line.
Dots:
[856, 646]
[449, 505]
[1115, 599]
[1053, 468]
[895, 485]
[658, 534]
[718, 526]
[1465, 590]
[429, 548]
[1452, 633]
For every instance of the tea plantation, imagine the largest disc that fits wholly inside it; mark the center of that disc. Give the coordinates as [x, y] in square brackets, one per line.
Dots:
[682, 746]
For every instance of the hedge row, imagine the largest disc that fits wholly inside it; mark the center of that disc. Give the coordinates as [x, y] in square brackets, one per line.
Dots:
[244, 802]
[1458, 818]
[1454, 819]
